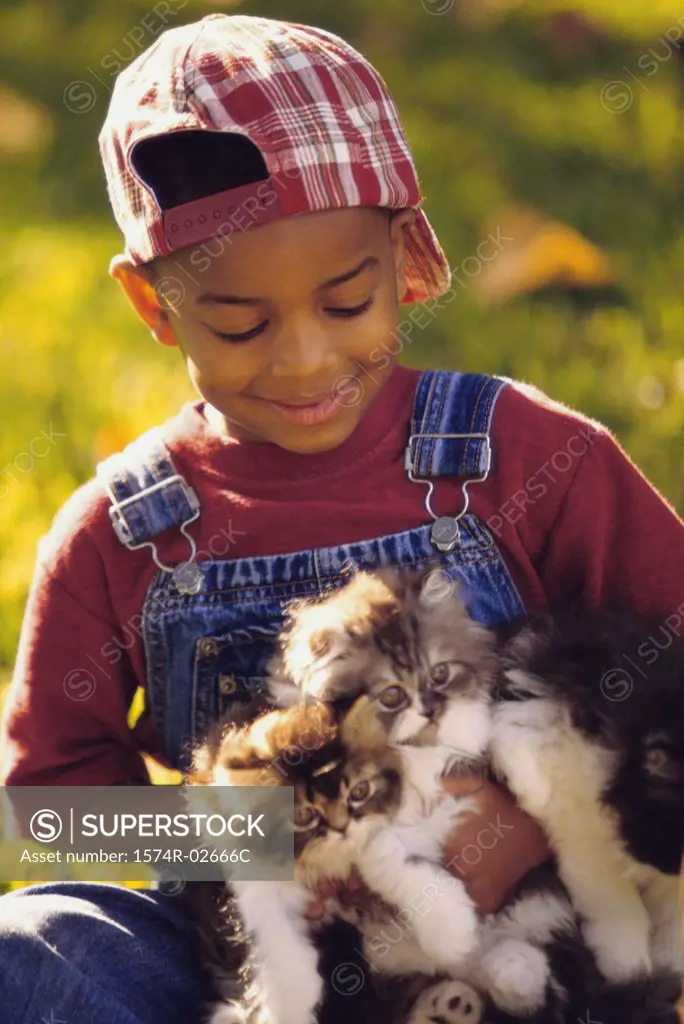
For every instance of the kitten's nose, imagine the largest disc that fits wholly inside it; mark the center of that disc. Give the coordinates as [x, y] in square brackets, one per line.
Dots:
[429, 704]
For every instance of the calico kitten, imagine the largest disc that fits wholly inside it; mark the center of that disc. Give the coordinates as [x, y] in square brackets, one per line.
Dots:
[604, 776]
[358, 803]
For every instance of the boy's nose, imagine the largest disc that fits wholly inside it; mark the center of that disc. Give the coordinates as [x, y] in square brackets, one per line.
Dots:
[303, 353]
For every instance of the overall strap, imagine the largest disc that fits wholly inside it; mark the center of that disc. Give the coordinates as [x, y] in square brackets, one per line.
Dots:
[451, 423]
[147, 494]
[449, 436]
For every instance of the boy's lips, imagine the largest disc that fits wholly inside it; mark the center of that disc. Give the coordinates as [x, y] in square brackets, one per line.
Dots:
[307, 411]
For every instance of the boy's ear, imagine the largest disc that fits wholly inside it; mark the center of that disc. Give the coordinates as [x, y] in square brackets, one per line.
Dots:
[400, 218]
[138, 284]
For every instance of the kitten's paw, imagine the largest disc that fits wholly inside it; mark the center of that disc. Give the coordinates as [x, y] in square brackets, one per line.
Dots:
[447, 1002]
[448, 934]
[622, 949]
[293, 995]
[516, 975]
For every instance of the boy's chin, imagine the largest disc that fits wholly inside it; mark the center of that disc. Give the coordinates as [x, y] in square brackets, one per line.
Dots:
[314, 440]
[296, 438]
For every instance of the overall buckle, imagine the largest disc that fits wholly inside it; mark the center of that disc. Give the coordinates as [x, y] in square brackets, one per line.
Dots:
[186, 575]
[445, 531]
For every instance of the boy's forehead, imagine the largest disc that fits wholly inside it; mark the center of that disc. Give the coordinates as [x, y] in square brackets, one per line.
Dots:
[314, 247]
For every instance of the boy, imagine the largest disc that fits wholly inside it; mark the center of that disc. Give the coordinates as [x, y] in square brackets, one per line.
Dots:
[271, 214]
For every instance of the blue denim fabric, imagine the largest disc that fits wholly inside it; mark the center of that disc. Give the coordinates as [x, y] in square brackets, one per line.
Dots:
[88, 953]
[206, 652]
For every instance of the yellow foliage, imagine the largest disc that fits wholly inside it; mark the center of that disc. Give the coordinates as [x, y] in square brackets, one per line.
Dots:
[539, 253]
[24, 127]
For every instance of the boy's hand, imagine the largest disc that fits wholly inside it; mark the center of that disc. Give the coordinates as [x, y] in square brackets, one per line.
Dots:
[490, 851]
[495, 846]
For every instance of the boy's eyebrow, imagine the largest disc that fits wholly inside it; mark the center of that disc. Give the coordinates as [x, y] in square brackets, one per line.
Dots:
[241, 300]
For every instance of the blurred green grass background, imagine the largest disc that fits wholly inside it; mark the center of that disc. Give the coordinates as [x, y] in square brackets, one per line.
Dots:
[561, 122]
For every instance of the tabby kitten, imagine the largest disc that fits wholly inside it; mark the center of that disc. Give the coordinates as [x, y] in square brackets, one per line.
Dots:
[408, 642]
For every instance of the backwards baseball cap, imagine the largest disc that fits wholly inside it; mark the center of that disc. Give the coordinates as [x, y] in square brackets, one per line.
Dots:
[323, 123]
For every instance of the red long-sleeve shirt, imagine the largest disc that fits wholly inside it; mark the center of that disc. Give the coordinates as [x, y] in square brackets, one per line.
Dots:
[574, 518]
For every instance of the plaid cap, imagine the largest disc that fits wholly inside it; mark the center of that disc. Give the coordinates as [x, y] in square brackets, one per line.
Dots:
[320, 114]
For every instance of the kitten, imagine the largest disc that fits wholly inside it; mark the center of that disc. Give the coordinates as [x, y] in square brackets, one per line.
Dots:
[591, 770]
[358, 803]
[596, 755]
[408, 644]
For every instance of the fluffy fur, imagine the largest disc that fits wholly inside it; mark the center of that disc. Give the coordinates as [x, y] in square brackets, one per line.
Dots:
[418, 658]
[358, 803]
[605, 776]
[602, 768]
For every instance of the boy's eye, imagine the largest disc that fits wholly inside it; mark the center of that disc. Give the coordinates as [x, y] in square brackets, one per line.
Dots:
[235, 338]
[245, 336]
[359, 792]
[350, 310]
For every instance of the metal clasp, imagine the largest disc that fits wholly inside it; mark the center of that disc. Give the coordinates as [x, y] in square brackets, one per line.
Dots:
[123, 530]
[445, 533]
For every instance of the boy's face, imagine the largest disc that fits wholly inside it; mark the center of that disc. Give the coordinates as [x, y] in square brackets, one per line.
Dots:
[286, 328]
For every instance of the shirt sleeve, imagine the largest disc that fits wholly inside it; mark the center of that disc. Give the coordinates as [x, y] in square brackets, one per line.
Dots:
[615, 541]
[65, 713]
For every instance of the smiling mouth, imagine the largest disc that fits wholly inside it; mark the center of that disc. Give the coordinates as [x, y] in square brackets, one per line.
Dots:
[308, 403]
[312, 412]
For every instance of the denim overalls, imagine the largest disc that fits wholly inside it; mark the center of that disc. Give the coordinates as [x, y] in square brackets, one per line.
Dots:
[78, 951]
[209, 632]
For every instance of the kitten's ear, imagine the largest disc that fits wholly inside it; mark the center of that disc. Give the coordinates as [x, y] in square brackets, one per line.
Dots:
[305, 728]
[244, 747]
[309, 658]
[372, 599]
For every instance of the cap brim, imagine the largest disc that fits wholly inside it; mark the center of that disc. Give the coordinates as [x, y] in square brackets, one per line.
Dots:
[427, 273]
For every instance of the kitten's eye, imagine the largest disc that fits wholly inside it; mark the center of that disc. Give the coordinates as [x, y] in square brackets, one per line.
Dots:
[447, 672]
[360, 792]
[440, 674]
[392, 698]
[305, 818]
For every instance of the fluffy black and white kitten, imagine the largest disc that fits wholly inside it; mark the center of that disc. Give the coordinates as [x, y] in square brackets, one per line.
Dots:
[596, 754]
[604, 776]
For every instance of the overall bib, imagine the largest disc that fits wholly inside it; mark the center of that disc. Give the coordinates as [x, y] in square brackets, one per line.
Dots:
[208, 643]
[85, 951]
